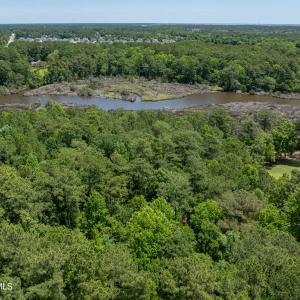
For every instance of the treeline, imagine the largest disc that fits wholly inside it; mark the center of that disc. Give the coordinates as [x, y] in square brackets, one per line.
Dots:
[235, 33]
[272, 65]
[147, 205]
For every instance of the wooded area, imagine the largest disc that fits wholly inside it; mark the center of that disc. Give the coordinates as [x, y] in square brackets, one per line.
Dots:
[147, 205]
[234, 58]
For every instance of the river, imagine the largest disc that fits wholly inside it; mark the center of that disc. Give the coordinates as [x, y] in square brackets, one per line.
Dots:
[186, 102]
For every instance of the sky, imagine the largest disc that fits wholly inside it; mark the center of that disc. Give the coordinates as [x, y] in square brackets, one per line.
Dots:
[151, 11]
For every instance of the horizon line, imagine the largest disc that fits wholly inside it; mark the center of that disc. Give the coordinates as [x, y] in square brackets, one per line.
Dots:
[152, 23]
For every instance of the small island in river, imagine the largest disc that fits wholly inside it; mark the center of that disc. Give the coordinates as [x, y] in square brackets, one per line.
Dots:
[128, 89]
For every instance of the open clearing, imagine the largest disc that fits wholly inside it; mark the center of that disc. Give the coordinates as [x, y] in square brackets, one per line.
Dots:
[285, 167]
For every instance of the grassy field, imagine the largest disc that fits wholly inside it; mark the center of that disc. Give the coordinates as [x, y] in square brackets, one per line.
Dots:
[285, 167]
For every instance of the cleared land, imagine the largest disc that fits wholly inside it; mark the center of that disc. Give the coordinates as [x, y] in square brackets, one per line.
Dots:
[285, 167]
[121, 88]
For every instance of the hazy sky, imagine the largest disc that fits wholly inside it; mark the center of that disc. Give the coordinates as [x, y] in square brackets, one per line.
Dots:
[143, 11]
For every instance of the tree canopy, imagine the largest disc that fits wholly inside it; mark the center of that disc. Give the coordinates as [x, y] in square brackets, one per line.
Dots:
[147, 205]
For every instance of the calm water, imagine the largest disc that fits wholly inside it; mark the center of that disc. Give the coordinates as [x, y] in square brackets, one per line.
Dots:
[109, 104]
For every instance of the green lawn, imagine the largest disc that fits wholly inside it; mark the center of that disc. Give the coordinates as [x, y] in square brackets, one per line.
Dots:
[279, 170]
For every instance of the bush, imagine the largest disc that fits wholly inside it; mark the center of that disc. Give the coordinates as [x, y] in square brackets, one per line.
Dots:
[85, 92]
[73, 88]
[4, 91]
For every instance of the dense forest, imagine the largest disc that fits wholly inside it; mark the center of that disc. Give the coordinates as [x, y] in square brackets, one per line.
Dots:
[245, 58]
[147, 205]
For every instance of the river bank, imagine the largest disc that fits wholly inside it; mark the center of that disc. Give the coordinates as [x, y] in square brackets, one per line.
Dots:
[121, 88]
[19, 107]
[133, 89]
[279, 95]
[236, 109]
[250, 108]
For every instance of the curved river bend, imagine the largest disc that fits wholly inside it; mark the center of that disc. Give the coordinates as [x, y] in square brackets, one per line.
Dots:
[186, 102]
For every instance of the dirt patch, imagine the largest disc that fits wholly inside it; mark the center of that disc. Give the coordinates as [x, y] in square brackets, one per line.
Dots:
[295, 157]
[121, 88]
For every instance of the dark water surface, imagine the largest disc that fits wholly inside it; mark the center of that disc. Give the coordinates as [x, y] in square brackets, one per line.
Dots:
[109, 104]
